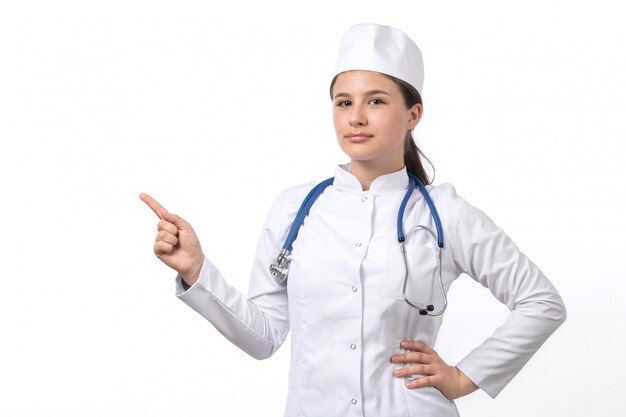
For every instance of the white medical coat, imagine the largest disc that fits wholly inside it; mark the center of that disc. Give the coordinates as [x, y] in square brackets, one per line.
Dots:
[344, 305]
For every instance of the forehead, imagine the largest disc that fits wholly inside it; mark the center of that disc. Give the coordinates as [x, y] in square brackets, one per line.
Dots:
[361, 81]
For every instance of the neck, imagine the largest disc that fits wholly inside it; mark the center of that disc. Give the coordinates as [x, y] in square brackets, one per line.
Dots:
[366, 172]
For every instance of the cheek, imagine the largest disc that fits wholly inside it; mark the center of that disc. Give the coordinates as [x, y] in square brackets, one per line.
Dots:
[337, 121]
[398, 126]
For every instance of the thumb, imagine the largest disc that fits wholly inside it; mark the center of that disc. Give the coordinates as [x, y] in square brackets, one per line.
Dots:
[177, 221]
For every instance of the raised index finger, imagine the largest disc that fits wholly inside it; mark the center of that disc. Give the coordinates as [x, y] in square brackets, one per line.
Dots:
[153, 204]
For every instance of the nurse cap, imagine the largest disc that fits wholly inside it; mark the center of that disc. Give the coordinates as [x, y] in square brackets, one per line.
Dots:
[382, 49]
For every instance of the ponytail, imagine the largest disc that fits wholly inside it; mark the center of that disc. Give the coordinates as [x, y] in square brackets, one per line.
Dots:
[413, 159]
[412, 154]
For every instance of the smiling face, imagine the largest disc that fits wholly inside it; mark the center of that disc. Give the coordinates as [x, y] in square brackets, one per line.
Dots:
[371, 119]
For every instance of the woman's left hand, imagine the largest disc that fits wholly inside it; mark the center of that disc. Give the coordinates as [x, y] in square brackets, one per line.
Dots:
[436, 373]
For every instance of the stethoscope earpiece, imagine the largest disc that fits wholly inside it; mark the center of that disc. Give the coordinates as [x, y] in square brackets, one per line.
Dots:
[429, 308]
[425, 311]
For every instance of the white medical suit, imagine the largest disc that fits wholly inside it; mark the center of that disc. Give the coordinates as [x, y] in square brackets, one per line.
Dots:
[343, 299]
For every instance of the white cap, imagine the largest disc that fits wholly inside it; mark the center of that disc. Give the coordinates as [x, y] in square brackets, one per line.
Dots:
[382, 49]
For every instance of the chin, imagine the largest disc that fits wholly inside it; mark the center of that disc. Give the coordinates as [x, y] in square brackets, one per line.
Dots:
[362, 155]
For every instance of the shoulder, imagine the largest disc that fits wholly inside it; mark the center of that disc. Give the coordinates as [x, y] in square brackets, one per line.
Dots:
[445, 196]
[451, 206]
[286, 204]
[293, 196]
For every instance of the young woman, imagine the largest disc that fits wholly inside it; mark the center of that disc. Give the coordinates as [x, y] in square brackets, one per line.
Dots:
[363, 286]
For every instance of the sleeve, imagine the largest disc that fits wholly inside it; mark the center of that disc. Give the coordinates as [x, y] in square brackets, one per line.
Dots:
[259, 323]
[484, 252]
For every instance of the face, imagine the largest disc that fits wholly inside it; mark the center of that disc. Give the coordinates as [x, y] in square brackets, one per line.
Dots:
[371, 119]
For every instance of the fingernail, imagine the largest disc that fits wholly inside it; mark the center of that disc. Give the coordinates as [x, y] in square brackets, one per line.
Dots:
[408, 385]
[403, 344]
[397, 372]
[394, 358]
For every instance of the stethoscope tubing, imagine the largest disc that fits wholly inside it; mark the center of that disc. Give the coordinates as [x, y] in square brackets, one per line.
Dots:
[303, 211]
[425, 309]
[280, 268]
[431, 206]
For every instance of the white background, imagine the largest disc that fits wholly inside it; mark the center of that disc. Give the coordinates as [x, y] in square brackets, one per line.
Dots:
[214, 110]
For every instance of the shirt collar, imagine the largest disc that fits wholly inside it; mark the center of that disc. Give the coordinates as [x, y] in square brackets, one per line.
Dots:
[388, 183]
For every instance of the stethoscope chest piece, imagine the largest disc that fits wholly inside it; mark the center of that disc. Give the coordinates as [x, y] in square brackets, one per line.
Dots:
[280, 269]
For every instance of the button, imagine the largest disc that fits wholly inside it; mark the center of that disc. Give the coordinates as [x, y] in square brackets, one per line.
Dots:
[364, 199]
[358, 244]
[354, 288]
[353, 401]
[353, 346]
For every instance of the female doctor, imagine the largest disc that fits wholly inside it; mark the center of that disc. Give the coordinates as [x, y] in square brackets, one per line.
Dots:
[363, 285]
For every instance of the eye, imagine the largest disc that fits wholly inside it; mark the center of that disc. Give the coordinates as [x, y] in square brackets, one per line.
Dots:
[376, 101]
[343, 103]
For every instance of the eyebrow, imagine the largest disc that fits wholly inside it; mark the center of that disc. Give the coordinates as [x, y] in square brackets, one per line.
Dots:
[367, 93]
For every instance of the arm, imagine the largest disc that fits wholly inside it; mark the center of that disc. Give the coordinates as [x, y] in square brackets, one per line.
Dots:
[482, 250]
[488, 255]
[257, 325]
[259, 330]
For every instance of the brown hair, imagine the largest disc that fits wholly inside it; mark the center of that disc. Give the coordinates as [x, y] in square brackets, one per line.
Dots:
[412, 154]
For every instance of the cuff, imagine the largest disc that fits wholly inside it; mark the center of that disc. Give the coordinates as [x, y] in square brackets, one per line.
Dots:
[479, 377]
[182, 287]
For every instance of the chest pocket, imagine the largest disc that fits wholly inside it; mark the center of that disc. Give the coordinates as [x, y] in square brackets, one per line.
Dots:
[422, 267]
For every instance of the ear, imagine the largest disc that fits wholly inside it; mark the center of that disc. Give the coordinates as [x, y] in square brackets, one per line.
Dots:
[415, 114]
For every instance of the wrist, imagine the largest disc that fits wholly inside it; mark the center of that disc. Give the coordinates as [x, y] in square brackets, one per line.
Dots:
[466, 385]
[191, 275]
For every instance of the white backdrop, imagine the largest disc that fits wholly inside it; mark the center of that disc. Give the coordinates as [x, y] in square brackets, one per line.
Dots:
[213, 109]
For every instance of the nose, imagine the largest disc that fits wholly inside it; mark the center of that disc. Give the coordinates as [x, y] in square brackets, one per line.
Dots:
[357, 116]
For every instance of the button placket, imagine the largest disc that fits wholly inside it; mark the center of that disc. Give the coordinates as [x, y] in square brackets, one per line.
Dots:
[364, 199]
[360, 238]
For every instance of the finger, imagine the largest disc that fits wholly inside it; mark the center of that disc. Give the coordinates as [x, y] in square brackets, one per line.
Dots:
[413, 370]
[178, 221]
[425, 381]
[412, 357]
[166, 226]
[162, 248]
[167, 237]
[158, 209]
[416, 345]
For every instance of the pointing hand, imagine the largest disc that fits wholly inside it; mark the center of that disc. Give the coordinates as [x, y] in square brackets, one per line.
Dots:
[176, 243]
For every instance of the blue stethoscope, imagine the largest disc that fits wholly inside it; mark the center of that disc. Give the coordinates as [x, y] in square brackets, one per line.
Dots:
[280, 269]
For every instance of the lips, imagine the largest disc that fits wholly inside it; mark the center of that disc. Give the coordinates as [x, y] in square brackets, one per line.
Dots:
[356, 137]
